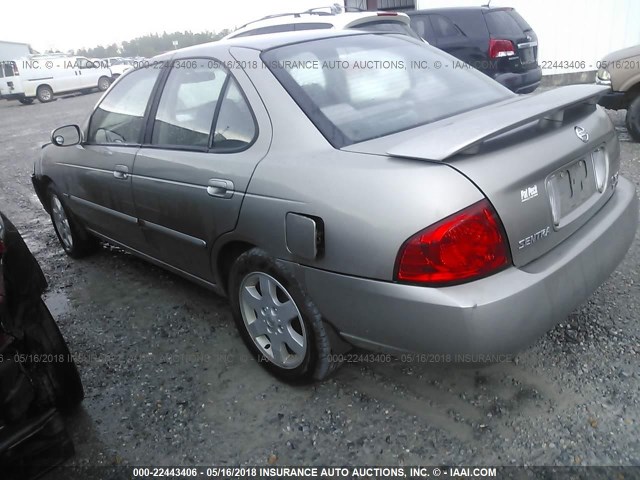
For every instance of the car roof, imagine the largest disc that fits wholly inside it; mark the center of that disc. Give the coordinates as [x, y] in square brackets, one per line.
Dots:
[337, 20]
[260, 42]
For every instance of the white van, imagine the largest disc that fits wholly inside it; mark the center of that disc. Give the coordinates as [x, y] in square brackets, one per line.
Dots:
[9, 81]
[44, 77]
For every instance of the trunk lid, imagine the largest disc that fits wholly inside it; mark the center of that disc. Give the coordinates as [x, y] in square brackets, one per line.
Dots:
[526, 156]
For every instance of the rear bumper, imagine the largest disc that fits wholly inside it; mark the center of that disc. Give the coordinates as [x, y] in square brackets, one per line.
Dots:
[613, 101]
[499, 314]
[525, 82]
[12, 96]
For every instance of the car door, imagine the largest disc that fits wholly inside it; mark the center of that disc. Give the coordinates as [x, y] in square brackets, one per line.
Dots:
[87, 73]
[98, 172]
[191, 175]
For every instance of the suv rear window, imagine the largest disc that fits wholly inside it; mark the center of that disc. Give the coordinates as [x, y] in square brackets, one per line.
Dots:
[362, 87]
[506, 22]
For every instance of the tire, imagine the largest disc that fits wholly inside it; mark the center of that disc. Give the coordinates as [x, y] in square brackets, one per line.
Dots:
[103, 84]
[285, 318]
[633, 119]
[75, 240]
[26, 101]
[44, 94]
[59, 379]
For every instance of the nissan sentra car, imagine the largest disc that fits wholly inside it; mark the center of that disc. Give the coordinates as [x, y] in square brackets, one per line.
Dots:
[349, 189]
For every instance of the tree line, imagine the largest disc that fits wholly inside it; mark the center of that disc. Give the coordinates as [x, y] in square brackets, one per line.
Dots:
[150, 45]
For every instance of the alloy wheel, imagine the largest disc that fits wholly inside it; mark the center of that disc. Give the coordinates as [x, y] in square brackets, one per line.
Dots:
[61, 222]
[273, 320]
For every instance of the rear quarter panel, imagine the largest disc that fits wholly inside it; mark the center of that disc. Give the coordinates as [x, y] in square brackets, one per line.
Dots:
[369, 204]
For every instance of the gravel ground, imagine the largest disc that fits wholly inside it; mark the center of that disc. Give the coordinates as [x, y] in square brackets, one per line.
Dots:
[168, 380]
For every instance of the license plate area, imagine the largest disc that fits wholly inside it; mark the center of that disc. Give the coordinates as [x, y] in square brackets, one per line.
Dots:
[527, 56]
[569, 189]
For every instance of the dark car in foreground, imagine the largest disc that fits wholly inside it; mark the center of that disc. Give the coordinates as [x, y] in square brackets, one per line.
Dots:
[38, 376]
[495, 40]
[339, 194]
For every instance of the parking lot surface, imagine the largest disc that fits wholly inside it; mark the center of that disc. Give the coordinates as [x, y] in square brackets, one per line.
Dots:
[168, 380]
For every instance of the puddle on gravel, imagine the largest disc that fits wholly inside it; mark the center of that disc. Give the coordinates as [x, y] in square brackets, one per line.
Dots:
[58, 303]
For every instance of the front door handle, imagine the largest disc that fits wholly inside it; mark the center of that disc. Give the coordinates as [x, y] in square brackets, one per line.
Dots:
[220, 188]
[121, 172]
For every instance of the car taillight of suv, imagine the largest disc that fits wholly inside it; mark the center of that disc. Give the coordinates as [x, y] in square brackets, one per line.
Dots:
[495, 40]
[501, 48]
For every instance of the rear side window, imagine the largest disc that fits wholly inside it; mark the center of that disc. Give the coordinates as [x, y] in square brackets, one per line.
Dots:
[422, 25]
[444, 27]
[504, 23]
[312, 26]
[119, 118]
[198, 100]
[7, 69]
[188, 105]
[265, 30]
[470, 22]
[387, 27]
[235, 128]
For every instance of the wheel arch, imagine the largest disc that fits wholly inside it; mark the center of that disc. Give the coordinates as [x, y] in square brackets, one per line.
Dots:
[632, 93]
[42, 85]
[225, 257]
[40, 185]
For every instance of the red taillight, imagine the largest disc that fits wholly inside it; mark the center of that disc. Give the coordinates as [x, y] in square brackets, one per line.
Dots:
[387, 14]
[468, 245]
[501, 48]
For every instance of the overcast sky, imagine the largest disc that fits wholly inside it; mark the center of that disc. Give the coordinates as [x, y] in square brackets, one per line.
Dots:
[73, 24]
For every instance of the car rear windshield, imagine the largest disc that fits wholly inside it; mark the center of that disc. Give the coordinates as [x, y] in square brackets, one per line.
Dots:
[360, 87]
[506, 22]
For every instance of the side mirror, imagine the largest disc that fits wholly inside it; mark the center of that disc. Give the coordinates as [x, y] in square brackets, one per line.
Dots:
[66, 136]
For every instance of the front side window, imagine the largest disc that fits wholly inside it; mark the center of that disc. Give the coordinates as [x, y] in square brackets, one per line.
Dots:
[119, 118]
[369, 86]
[82, 62]
[188, 104]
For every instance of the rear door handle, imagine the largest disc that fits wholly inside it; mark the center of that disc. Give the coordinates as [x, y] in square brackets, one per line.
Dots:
[220, 188]
[121, 172]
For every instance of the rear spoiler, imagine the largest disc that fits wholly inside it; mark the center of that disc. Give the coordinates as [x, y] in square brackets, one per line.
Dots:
[470, 130]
